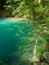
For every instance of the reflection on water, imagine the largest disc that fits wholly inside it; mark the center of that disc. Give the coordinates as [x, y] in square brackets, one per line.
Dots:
[17, 42]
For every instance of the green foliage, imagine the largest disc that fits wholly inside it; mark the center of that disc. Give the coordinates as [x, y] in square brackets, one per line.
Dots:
[34, 8]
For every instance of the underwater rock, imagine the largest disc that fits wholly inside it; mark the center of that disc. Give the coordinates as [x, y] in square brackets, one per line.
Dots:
[46, 55]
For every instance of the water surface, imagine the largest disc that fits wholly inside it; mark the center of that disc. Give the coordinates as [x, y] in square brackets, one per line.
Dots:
[17, 41]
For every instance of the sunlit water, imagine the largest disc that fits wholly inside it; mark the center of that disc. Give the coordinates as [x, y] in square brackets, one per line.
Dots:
[17, 41]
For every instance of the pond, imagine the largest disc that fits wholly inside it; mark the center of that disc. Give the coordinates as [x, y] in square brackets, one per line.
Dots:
[19, 40]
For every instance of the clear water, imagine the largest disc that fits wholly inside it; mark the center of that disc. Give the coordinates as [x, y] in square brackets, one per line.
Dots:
[17, 41]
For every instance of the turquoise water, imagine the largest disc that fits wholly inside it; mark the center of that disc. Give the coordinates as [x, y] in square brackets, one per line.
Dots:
[17, 41]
